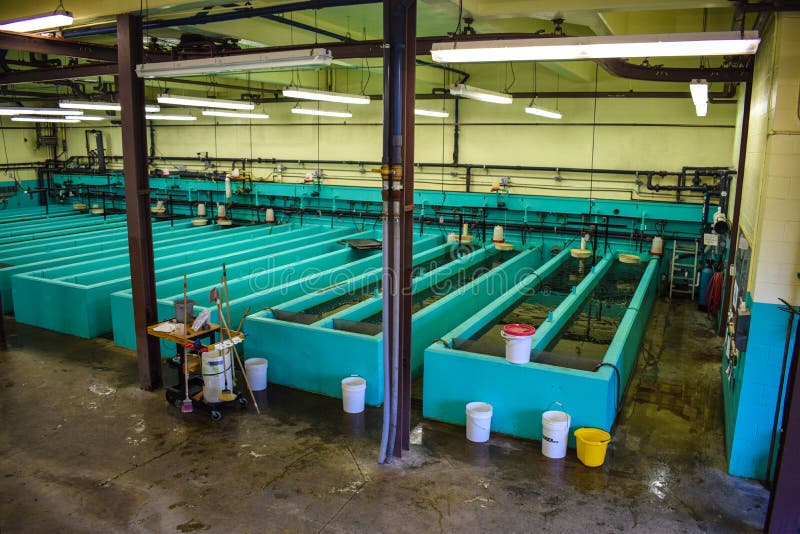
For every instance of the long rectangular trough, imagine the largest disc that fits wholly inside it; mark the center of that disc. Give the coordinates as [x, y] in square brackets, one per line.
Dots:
[315, 357]
[324, 260]
[588, 389]
[59, 251]
[75, 298]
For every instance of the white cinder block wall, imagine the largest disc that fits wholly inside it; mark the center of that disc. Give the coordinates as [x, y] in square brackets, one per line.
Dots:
[778, 224]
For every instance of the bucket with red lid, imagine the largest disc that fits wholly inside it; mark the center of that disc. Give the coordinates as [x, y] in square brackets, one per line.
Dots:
[518, 338]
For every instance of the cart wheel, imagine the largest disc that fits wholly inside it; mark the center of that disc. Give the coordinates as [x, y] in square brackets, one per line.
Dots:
[215, 415]
[178, 403]
[242, 402]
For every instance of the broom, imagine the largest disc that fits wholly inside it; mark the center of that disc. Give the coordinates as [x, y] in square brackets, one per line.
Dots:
[186, 407]
[241, 365]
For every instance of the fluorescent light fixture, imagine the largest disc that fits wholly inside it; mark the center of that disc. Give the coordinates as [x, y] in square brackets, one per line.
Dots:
[204, 102]
[33, 118]
[429, 113]
[701, 109]
[543, 112]
[483, 95]
[312, 57]
[56, 19]
[699, 89]
[92, 118]
[101, 106]
[322, 112]
[324, 96]
[38, 111]
[730, 43]
[160, 117]
[234, 114]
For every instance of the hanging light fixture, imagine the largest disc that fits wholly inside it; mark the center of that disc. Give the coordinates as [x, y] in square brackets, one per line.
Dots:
[699, 90]
[312, 57]
[34, 118]
[10, 111]
[322, 112]
[162, 117]
[101, 106]
[57, 19]
[542, 111]
[233, 114]
[730, 43]
[205, 102]
[477, 93]
[430, 113]
[324, 96]
[92, 118]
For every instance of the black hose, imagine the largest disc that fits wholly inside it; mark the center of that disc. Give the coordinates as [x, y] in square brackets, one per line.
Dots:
[619, 381]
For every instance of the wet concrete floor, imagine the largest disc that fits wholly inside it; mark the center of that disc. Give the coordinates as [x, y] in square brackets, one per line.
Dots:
[83, 449]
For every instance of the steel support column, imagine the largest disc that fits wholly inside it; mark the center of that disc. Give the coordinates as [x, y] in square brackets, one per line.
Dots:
[137, 199]
[397, 173]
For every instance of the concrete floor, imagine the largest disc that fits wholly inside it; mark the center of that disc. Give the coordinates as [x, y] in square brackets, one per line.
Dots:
[83, 449]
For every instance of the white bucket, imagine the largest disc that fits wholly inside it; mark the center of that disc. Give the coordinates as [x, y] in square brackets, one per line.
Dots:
[256, 373]
[479, 421]
[216, 368]
[518, 348]
[269, 216]
[353, 390]
[220, 211]
[497, 234]
[201, 209]
[555, 432]
[657, 249]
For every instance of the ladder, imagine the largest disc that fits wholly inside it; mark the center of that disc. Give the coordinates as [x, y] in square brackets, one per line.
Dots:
[683, 271]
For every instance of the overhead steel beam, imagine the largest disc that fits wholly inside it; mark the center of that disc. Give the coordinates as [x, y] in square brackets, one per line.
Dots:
[137, 199]
[224, 17]
[56, 47]
[397, 178]
[58, 73]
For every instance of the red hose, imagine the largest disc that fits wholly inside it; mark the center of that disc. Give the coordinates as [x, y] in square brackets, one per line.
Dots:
[714, 294]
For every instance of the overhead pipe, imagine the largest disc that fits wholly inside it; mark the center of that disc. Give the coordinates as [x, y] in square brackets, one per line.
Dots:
[681, 176]
[471, 166]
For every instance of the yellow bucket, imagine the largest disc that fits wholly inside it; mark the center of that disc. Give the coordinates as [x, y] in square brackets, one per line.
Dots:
[592, 444]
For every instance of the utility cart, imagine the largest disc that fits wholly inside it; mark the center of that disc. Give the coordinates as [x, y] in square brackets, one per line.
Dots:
[189, 349]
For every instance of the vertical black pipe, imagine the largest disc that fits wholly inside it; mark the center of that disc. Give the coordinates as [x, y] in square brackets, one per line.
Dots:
[733, 244]
[101, 152]
[397, 173]
[455, 130]
[137, 198]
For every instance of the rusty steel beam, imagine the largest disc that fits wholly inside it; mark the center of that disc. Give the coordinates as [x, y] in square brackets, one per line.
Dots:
[56, 47]
[137, 199]
[58, 73]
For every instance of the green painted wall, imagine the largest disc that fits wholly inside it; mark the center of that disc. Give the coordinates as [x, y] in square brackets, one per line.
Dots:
[626, 133]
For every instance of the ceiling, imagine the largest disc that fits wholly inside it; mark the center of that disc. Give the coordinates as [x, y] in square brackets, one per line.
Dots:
[359, 22]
